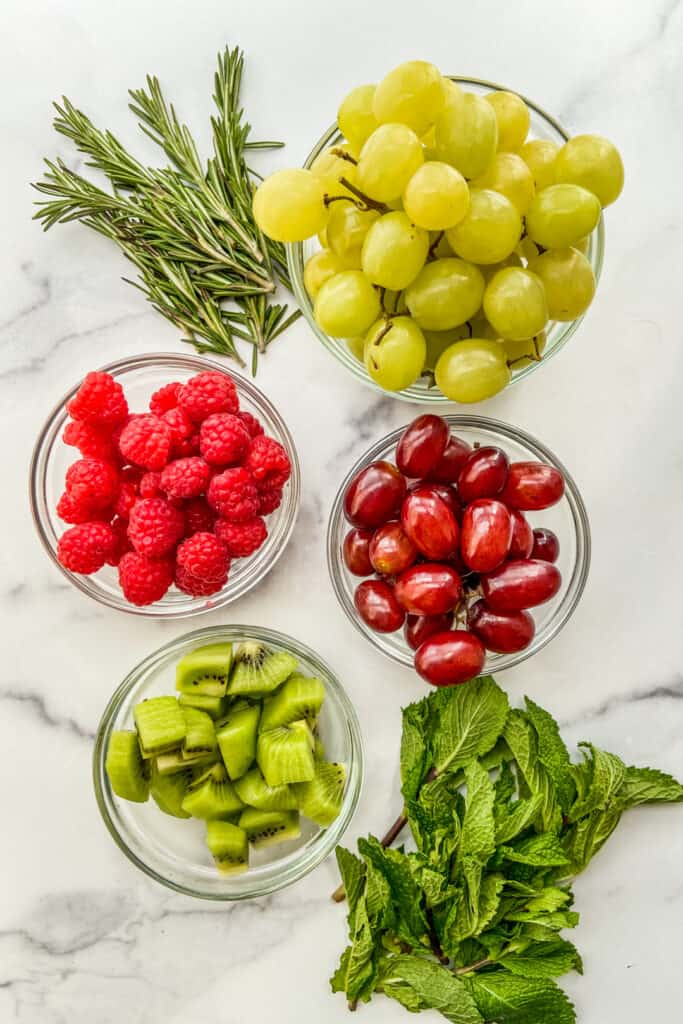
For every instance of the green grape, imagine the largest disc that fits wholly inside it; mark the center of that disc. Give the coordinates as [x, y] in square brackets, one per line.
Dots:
[319, 268]
[523, 353]
[388, 161]
[467, 134]
[526, 249]
[355, 117]
[411, 94]
[472, 370]
[356, 346]
[330, 166]
[512, 115]
[395, 352]
[515, 304]
[439, 245]
[439, 341]
[394, 251]
[346, 304]
[289, 205]
[568, 280]
[594, 163]
[445, 293]
[452, 92]
[508, 174]
[346, 231]
[561, 215]
[489, 270]
[436, 197]
[539, 156]
[583, 245]
[490, 230]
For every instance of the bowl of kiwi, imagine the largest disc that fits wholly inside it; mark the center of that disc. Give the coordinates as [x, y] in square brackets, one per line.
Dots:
[228, 763]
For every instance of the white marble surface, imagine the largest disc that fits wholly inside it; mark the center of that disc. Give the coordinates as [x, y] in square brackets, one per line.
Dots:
[83, 936]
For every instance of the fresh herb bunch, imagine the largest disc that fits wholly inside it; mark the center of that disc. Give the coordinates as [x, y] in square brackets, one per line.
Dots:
[188, 229]
[469, 923]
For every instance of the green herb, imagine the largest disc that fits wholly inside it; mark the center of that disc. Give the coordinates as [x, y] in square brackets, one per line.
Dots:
[468, 922]
[187, 228]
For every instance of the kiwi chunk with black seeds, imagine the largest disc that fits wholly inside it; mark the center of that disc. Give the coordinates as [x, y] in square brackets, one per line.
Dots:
[229, 847]
[169, 791]
[321, 798]
[236, 737]
[264, 828]
[253, 790]
[205, 670]
[161, 725]
[258, 670]
[212, 795]
[216, 707]
[125, 767]
[285, 754]
[299, 697]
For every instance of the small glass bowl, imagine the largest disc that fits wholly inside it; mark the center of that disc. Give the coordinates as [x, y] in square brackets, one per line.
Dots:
[568, 519]
[173, 851]
[543, 126]
[141, 376]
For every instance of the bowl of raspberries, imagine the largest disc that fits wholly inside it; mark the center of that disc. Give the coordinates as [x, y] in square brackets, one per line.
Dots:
[165, 486]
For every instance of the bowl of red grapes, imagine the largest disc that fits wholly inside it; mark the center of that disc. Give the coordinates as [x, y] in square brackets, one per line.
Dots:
[458, 544]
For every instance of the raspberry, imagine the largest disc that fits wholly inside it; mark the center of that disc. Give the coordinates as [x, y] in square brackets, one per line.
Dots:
[223, 439]
[186, 449]
[203, 556]
[92, 442]
[92, 483]
[99, 400]
[122, 542]
[71, 511]
[268, 463]
[155, 527]
[251, 423]
[241, 539]
[185, 478]
[233, 494]
[165, 398]
[127, 497]
[199, 518]
[192, 585]
[207, 393]
[85, 548]
[181, 426]
[150, 485]
[142, 580]
[269, 500]
[146, 441]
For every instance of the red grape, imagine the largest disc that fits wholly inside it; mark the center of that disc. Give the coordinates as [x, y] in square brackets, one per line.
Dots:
[421, 445]
[521, 584]
[444, 491]
[428, 589]
[429, 523]
[483, 474]
[356, 552]
[449, 658]
[419, 628]
[391, 550]
[447, 470]
[546, 546]
[486, 534]
[374, 495]
[504, 632]
[532, 486]
[377, 606]
[522, 536]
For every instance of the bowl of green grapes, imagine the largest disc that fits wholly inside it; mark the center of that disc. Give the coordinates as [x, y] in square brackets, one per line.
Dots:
[446, 234]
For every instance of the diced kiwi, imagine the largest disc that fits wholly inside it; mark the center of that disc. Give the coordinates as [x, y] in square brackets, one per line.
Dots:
[237, 738]
[161, 725]
[299, 697]
[318, 748]
[212, 795]
[125, 767]
[200, 737]
[321, 798]
[213, 706]
[258, 670]
[175, 761]
[285, 754]
[264, 828]
[253, 789]
[169, 791]
[205, 670]
[229, 847]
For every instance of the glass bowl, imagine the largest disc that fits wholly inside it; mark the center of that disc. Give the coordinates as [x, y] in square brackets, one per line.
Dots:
[140, 377]
[173, 851]
[543, 126]
[568, 519]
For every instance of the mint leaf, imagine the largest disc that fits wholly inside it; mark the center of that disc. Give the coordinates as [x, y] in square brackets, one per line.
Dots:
[465, 722]
[519, 817]
[359, 973]
[352, 871]
[541, 851]
[549, 899]
[521, 739]
[378, 899]
[583, 840]
[552, 752]
[415, 752]
[607, 777]
[338, 979]
[505, 787]
[468, 915]
[433, 987]
[648, 786]
[506, 999]
[410, 923]
[477, 838]
[543, 959]
[555, 921]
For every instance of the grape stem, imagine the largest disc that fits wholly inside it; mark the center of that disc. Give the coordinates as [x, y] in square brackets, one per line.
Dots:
[343, 155]
[370, 204]
[433, 247]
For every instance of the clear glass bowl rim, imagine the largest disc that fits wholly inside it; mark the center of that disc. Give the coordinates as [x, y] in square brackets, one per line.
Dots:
[50, 434]
[310, 856]
[418, 393]
[579, 576]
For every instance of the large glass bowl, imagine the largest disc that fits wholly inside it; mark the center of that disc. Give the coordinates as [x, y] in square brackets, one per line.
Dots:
[173, 851]
[140, 377]
[568, 519]
[543, 126]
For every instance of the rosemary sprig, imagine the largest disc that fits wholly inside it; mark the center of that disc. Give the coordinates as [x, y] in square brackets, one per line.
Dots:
[188, 229]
